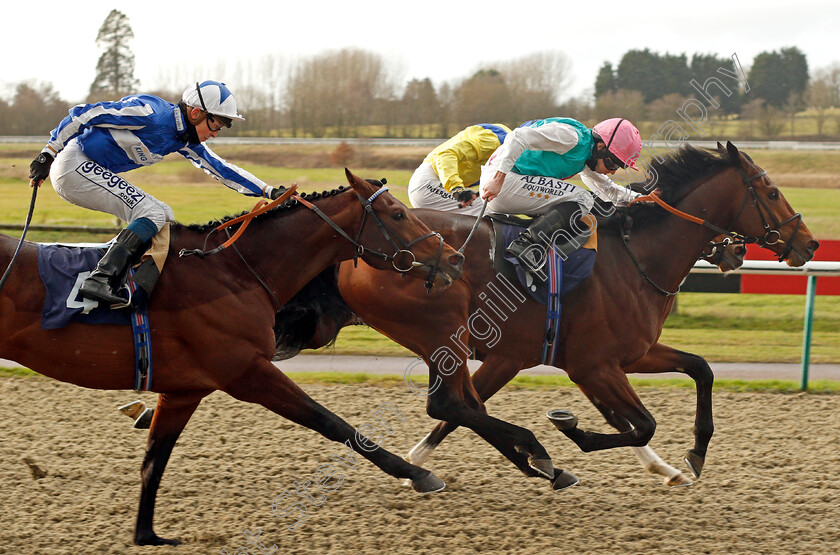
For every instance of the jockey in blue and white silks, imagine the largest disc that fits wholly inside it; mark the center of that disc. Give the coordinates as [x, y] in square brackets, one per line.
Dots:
[97, 142]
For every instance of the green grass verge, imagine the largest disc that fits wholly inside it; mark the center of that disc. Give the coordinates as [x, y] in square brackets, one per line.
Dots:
[525, 382]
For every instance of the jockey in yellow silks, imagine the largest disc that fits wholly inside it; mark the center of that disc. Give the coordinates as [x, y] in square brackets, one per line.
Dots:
[445, 179]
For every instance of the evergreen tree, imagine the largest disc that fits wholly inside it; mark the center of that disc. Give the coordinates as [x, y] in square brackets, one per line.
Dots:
[654, 75]
[775, 76]
[605, 82]
[115, 68]
[705, 66]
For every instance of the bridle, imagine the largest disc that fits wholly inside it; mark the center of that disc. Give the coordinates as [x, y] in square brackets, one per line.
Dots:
[714, 251]
[771, 234]
[400, 248]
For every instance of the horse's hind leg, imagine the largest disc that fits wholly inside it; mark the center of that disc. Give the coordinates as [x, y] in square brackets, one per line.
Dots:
[171, 415]
[269, 387]
[490, 377]
[612, 390]
[457, 402]
[662, 358]
[652, 462]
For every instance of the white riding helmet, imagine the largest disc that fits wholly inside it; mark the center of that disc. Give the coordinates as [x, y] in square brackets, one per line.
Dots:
[212, 97]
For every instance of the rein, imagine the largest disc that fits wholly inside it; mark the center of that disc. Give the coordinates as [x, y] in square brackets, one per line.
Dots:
[771, 234]
[263, 206]
[474, 227]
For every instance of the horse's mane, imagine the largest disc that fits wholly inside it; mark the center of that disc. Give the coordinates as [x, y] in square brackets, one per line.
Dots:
[676, 175]
[287, 206]
[296, 322]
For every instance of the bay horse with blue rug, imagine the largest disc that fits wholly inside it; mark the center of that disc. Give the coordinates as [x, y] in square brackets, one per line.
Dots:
[212, 318]
[609, 325]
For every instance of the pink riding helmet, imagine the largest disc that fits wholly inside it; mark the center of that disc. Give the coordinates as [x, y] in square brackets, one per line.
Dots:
[622, 139]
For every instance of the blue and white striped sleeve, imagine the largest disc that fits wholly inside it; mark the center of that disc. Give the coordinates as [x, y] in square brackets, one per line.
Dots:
[227, 174]
[130, 113]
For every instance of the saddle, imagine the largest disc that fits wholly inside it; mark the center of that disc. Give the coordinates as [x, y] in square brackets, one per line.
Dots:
[575, 269]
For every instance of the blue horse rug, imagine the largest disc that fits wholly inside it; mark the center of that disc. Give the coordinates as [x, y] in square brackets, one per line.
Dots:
[556, 279]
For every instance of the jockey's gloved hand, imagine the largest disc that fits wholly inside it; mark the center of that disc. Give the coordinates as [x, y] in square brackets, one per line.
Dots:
[39, 169]
[463, 196]
[276, 192]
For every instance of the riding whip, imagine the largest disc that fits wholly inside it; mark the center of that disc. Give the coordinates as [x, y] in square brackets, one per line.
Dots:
[475, 226]
[23, 235]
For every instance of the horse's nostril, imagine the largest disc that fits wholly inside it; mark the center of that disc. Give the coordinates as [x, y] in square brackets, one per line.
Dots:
[813, 245]
[456, 259]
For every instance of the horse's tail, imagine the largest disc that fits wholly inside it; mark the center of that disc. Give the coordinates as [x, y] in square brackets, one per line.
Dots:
[312, 318]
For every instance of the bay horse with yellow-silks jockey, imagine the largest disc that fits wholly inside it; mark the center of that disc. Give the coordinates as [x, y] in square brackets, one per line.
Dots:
[211, 318]
[610, 324]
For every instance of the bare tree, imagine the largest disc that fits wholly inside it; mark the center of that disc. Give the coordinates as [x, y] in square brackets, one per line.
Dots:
[35, 110]
[336, 92]
[484, 97]
[546, 73]
[536, 83]
[823, 93]
[419, 105]
[621, 103]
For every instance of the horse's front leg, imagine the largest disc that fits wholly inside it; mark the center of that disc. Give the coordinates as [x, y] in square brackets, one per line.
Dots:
[171, 415]
[266, 385]
[662, 358]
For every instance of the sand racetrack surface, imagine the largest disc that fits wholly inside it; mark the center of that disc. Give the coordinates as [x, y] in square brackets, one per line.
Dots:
[771, 483]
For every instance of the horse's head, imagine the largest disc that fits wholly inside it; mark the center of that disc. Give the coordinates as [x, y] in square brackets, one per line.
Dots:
[766, 215]
[395, 239]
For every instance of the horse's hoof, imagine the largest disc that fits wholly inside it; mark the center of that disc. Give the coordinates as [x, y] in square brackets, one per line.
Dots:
[695, 462]
[678, 480]
[563, 420]
[543, 467]
[153, 539]
[133, 409]
[428, 484]
[563, 479]
[144, 421]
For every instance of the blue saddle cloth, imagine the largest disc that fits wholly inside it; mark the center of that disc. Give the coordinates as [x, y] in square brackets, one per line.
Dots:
[62, 270]
[575, 269]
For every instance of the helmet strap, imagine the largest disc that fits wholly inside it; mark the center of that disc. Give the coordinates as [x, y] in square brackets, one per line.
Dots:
[597, 154]
[191, 133]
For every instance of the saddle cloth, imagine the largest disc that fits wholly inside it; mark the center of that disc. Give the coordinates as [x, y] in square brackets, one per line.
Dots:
[63, 268]
[575, 269]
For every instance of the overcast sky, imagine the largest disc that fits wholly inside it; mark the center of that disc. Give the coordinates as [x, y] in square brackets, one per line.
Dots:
[444, 40]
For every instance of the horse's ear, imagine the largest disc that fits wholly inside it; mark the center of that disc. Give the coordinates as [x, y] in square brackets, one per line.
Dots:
[733, 151]
[719, 145]
[360, 185]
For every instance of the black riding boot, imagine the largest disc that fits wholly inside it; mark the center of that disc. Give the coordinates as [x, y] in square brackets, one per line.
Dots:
[98, 286]
[560, 225]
